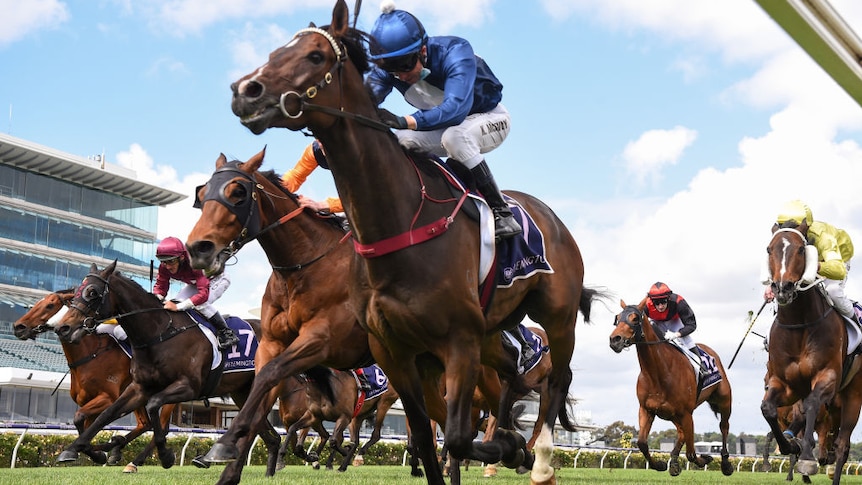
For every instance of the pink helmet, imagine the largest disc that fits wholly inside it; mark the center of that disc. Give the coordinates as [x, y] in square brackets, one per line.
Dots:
[170, 248]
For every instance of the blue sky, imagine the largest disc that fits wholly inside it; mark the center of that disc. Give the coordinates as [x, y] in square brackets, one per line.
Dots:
[666, 134]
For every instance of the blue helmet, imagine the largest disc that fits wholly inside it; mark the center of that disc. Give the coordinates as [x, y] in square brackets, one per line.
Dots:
[396, 33]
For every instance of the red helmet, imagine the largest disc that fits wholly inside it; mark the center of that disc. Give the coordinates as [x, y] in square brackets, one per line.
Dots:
[170, 248]
[659, 290]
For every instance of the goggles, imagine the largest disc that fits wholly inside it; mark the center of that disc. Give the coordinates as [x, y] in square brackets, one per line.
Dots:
[168, 259]
[403, 63]
[659, 301]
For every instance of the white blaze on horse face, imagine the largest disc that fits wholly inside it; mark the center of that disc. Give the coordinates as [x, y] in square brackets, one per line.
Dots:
[784, 256]
[257, 74]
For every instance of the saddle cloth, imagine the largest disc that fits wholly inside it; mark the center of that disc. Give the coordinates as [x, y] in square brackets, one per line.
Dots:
[240, 357]
[535, 343]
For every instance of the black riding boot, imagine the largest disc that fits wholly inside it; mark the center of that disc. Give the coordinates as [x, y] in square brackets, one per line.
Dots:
[505, 225]
[226, 336]
[364, 385]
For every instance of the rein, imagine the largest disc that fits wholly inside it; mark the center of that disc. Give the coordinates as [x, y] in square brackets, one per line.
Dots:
[92, 356]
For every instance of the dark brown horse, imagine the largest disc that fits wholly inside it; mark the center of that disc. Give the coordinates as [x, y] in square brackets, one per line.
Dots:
[305, 318]
[172, 364]
[668, 387]
[419, 301]
[808, 358]
[292, 405]
[99, 371]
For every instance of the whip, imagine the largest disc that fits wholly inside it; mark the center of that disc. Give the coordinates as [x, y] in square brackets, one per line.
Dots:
[746, 332]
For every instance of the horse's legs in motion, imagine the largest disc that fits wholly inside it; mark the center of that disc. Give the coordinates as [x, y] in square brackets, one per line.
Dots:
[807, 465]
[767, 466]
[645, 420]
[685, 428]
[849, 418]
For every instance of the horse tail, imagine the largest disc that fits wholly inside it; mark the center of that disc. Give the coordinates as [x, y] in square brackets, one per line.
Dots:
[321, 378]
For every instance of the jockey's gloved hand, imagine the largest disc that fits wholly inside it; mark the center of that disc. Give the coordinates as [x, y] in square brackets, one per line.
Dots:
[391, 120]
[670, 335]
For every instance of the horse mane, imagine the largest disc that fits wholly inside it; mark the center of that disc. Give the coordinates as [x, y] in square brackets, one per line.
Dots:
[136, 286]
[355, 42]
[333, 219]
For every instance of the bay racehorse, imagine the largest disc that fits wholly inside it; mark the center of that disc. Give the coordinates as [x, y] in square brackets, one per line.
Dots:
[668, 387]
[305, 319]
[415, 287]
[99, 371]
[172, 360]
[808, 354]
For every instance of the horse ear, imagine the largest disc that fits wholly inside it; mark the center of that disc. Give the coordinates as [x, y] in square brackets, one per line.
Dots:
[311, 25]
[221, 160]
[254, 163]
[110, 268]
[340, 19]
[774, 227]
[94, 268]
[622, 304]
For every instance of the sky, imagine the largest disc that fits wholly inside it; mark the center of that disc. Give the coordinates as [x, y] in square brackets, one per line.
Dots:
[665, 134]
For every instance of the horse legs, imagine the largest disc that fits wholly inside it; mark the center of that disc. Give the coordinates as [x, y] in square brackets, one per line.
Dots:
[645, 420]
[812, 403]
[850, 407]
[685, 428]
[769, 409]
[131, 398]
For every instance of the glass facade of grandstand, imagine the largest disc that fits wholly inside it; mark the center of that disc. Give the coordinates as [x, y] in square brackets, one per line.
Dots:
[50, 232]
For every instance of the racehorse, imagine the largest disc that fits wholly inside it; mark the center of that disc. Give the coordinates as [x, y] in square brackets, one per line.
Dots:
[668, 387]
[306, 253]
[333, 395]
[172, 364]
[99, 371]
[415, 285]
[792, 419]
[292, 405]
[808, 354]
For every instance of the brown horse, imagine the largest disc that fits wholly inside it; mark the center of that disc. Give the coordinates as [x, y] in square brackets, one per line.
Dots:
[99, 371]
[668, 387]
[292, 405]
[307, 253]
[808, 358]
[416, 286]
[333, 395]
[172, 363]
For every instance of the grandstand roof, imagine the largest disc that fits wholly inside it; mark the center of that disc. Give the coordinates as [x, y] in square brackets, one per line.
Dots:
[95, 174]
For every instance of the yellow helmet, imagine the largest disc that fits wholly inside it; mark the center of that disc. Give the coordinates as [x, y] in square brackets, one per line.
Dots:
[795, 210]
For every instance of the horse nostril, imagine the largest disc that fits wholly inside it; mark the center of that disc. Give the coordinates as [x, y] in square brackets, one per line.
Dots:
[250, 89]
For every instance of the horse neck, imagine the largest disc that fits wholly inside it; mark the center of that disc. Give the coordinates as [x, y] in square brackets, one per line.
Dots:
[817, 321]
[126, 297]
[296, 241]
[654, 356]
[378, 187]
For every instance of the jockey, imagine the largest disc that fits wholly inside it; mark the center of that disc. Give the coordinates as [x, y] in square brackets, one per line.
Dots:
[672, 315]
[312, 157]
[457, 97]
[198, 293]
[834, 248]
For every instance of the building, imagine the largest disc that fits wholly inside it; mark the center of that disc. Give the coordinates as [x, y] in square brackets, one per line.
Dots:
[59, 213]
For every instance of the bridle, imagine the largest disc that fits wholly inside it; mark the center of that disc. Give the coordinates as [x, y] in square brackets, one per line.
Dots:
[244, 210]
[312, 91]
[638, 337]
[94, 301]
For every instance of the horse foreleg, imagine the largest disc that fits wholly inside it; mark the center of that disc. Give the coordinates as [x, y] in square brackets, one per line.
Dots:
[131, 398]
[543, 472]
[812, 403]
[685, 429]
[769, 409]
[851, 402]
[645, 420]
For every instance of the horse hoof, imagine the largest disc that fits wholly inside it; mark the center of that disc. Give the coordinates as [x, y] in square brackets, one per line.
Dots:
[199, 462]
[726, 467]
[807, 467]
[675, 469]
[830, 471]
[130, 468]
[167, 459]
[490, 471]
[522, 470]
[220, 453]
[99, 457]
[67, 456]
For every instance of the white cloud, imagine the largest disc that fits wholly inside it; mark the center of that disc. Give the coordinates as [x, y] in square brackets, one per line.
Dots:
[656, 149]
[20, 19]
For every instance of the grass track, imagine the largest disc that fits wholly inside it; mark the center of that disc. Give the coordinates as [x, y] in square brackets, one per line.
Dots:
[373, 475]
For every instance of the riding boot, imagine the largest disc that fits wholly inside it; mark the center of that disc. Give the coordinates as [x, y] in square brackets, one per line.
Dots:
[527, 351]
[226, 336]
[696, 354]
[364, 385]
[505, 225]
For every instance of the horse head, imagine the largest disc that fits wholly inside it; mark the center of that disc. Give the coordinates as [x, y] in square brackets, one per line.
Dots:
[635, 320]
[230, 213]
[301, 84]
[87, 305]
[791, 267]
[36, 320]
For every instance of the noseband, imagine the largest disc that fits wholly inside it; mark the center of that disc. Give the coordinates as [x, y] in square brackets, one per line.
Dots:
[636, 325]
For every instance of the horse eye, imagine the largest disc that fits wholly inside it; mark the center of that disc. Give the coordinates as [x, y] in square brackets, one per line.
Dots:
[238, 191]
[316, 57]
